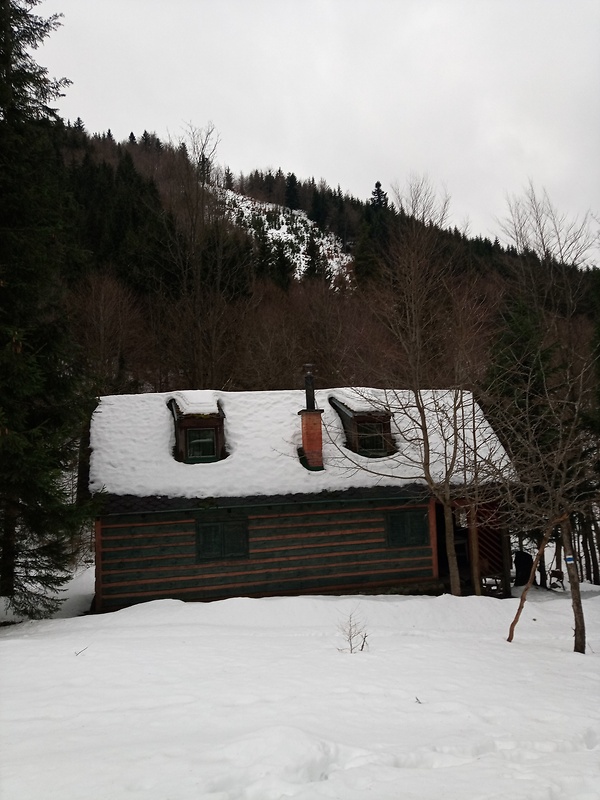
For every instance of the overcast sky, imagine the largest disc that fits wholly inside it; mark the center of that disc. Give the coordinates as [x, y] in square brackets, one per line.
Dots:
[479, 95]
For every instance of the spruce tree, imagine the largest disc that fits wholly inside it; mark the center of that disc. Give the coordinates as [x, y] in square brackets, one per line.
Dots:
[283, 266]
[374, 235]
[292, 199]
[317, 267]
[41, 405]
[379, 198]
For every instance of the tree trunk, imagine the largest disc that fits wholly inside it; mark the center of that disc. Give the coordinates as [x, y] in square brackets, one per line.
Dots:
[474, 551]
[594, 544]
[579, 646]
[558, 556]
[8, 558]
[543, 573]
[575, 538]
[586, 566]
[451, 551]
[529, 584]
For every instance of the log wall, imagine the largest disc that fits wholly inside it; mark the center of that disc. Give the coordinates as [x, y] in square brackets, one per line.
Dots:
[305, 548]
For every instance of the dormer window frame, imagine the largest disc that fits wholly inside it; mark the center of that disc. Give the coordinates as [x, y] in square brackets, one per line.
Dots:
[196, 450]
[368, 433]
[186, 425]
[370, 437]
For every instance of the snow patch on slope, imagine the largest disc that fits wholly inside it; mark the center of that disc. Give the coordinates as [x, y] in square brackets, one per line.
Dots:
[293, 228]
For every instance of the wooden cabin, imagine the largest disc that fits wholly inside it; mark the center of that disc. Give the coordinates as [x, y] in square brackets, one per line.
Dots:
[207, 495]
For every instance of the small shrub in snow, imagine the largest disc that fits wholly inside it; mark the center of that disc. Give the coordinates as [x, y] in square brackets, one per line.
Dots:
[355, 634]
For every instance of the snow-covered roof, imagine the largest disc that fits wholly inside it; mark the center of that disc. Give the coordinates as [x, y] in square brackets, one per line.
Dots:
[205, 402]
[133, 436]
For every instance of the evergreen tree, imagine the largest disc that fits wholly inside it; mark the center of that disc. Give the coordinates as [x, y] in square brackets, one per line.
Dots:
[374, 235]
[41, 406]
[292, 199]
[318, 208]
[317, 266]
[366, 255]
[25, 87]
[228, 179]
[283, 266]
[120, 221]
[379, 198]
[263, 253]
[269, 186]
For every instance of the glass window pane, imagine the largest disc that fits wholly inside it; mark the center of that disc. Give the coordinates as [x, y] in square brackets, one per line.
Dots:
[370, 437]
[210, 540]
[201, 443]
[222, 539]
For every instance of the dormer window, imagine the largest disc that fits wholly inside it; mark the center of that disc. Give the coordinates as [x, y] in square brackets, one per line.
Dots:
[371, 439]
[199, 438]
[368, 433]
[201, 444]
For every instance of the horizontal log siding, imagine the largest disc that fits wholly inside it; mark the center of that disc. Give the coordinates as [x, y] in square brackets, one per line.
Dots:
[309, 548]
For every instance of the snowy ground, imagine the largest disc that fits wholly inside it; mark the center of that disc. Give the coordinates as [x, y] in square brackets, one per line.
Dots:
[254, 700]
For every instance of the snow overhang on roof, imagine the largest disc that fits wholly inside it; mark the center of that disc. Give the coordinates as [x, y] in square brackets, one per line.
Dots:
[365, 401]
[133, 436]
[196, 402]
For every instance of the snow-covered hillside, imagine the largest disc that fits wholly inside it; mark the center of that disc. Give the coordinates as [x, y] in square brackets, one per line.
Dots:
[259, 700]
[292, 228]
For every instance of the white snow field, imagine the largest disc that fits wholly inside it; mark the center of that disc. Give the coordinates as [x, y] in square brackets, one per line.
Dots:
[256, 699]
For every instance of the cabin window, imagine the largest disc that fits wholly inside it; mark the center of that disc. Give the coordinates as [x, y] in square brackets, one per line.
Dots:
[371, 441]
[201, 444]
[408, 528]
[222, 539]
[368, 433]
[199, 438]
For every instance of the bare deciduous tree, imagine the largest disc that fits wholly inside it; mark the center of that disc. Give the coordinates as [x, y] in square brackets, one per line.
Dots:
[197, 308]
[436, 322]
[553, 457]
[109, 325]
[538, 397]
[535, 225]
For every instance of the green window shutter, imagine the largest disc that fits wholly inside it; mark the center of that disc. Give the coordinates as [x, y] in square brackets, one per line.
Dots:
[235, 539]
[222, 539]
[209, 540]
[409, 528]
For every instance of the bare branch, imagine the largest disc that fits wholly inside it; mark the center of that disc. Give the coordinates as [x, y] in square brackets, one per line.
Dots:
[534, 224]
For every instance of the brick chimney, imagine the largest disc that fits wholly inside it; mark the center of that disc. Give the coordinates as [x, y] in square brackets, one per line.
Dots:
[311, 453]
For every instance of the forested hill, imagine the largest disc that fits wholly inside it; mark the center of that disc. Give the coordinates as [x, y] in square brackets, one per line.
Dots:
[181, 274]
[296, 226]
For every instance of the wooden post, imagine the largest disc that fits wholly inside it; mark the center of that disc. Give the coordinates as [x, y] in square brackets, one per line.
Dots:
[474, 549]
[97, 605]
[433, 537]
